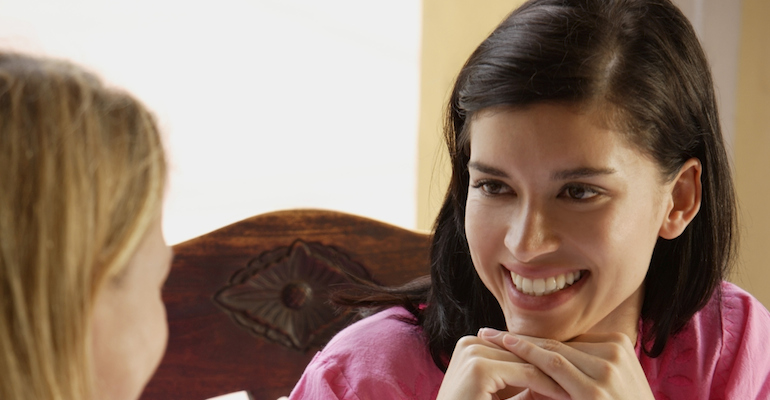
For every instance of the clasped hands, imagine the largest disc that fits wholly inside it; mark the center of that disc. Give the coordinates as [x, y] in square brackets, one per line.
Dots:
[501, 365]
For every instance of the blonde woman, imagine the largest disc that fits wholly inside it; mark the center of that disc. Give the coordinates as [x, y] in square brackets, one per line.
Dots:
[82, 257]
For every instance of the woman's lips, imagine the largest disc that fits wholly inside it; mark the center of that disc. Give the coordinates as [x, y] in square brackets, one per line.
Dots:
[544, 286]
[531, 301]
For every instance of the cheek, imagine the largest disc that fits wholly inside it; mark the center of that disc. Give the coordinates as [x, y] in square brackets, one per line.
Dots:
[130, 338]
[636, 230]
[151, 337]
[619, 242]
[162, 336]
[155, 335]
[485, 235]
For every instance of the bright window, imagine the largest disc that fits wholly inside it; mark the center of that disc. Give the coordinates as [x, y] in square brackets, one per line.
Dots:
[265, 105]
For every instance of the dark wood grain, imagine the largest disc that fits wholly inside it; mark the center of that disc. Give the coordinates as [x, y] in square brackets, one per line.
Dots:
[208, 353]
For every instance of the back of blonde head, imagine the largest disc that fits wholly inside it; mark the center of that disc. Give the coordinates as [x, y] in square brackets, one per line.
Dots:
[82, 173]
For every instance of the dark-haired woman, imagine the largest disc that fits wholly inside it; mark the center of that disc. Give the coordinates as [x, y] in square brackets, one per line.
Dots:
[589, 224]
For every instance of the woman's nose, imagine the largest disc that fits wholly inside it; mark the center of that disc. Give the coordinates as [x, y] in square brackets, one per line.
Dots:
[530, 235]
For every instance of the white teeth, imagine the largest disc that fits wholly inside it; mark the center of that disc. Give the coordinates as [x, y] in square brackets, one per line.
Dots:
[538, 285]
[561, 281]
[526, 285]
[550, 285]
[541, 287]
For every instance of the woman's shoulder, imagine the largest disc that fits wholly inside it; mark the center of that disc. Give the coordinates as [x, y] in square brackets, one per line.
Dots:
[735, 314]
[382, 356]
[391, 332]
[734, 298]
[731, 313]
[720, 351]
[394, 320]
[742, 368]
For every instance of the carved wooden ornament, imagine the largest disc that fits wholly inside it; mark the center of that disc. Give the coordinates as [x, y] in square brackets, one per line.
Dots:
[283, 294]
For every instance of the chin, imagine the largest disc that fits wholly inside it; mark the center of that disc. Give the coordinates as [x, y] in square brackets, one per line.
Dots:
[542, 330]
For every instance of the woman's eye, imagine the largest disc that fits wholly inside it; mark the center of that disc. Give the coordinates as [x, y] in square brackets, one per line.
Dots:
[580, 192]
[491, 188]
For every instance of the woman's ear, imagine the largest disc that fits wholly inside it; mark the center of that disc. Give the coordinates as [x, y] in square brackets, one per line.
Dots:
[685, 200]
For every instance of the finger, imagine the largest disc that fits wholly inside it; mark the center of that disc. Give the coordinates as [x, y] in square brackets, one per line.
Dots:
[609, 351]
[495, 337]
[483, 359]
[577, 353]
[553, 358]
[591, 357]
[618, 338]
[594, 358]
[472, 346]
[603, 338]
[586, 367]
[490, 334]
[527, 376]
[591, 346]
[529, 395]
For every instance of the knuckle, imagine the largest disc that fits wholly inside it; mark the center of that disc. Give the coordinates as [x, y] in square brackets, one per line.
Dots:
[475, 366]
[605, 370]
[595, 393]
[556, 362]
[529, 371]
[551, 345]
[615, 352]
[474, 351]
[470, 349]
[465, 341]
[620, 339]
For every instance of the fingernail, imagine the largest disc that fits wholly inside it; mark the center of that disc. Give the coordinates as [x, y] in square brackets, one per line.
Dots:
[489, 333]
[510, 340]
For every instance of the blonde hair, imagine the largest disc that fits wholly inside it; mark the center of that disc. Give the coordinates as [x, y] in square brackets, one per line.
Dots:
[82, 174]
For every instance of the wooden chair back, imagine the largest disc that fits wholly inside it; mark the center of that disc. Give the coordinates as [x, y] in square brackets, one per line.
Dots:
[247, 305]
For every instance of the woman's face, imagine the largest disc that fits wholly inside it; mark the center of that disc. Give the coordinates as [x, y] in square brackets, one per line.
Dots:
[561, 220]
[129, 327]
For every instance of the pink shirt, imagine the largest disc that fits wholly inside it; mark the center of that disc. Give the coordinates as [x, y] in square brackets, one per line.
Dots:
[721, 354]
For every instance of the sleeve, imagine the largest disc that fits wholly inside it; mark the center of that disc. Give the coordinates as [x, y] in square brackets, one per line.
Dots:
[323, 379]
[379, 357]
[743, 371]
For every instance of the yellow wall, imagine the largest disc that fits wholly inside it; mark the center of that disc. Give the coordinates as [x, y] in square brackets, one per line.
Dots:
[451, 30]
[752, 150]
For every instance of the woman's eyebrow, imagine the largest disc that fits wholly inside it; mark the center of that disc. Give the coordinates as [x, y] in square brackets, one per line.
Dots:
[487, 169]
[583, 172]
[567, 174]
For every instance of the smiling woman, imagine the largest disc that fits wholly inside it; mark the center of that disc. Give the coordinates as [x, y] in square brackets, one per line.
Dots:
[588, 226]
[554, 196]
[82, 258]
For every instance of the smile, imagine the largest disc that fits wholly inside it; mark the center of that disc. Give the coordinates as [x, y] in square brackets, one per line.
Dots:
[544, 286]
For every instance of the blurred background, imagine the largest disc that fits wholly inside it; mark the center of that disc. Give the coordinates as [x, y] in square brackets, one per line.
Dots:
[265, 104]
[337, 104]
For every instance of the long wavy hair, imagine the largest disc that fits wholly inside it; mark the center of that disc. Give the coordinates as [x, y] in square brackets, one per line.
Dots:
[641, 61]
[82, 175]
